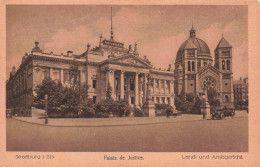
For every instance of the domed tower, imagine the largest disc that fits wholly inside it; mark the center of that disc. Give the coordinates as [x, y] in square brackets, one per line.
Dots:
[192, 55]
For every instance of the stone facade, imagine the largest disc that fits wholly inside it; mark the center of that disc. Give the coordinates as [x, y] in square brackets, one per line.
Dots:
[109, 62]
[195, 72]
[240, 90]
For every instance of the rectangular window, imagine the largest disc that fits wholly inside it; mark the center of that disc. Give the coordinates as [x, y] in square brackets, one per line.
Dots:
[132, 100]
[188, 65]
[193, 66]
[168, 99]
[132, 84]
[199, 64]
[94, 83]
[163, 100]
[157, 100]
[117, 83]
[65, 76]
[94, 99]
[56, 75]
[46, 74]
[125, 83]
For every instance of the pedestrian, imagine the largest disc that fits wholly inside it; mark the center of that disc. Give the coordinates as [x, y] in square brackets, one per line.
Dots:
[168, 112]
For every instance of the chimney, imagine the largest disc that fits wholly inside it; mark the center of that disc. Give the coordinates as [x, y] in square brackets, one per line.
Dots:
[69, 53]
[130, 49]
[135, 49]
[170, 67]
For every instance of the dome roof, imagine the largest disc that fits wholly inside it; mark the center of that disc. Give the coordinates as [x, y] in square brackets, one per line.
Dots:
[194, 43]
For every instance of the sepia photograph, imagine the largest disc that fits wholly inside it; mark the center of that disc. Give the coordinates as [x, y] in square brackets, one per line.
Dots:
[127, 78]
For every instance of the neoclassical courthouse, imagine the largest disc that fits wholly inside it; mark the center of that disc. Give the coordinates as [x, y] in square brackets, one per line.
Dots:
[126, 71]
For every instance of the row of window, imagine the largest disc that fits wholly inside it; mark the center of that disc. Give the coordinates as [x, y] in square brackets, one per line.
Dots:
[225, 65]
[191, 65]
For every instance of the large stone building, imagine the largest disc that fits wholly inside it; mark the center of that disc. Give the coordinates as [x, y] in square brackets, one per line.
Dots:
[196, 73]
[109, 62]
[241, 91]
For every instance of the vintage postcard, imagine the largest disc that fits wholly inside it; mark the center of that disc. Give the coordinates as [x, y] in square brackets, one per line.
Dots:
[113, 83]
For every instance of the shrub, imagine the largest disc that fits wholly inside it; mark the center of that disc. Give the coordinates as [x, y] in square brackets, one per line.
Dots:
[160, 109]
[196, 107]
[138, 112]
[118, 108]
[182, 105]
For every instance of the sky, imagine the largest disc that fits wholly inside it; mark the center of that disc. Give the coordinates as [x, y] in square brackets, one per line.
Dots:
[158, 30]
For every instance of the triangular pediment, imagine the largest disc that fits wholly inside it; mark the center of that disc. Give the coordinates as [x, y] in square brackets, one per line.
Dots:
[129, 60]
[209, 69]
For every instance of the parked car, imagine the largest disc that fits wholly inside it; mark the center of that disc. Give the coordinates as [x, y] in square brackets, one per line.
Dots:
[222, 112]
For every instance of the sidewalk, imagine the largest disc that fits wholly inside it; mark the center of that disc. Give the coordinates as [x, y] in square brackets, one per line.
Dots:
[123, 121]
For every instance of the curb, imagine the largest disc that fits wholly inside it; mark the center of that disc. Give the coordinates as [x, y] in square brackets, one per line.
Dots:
[82, 126]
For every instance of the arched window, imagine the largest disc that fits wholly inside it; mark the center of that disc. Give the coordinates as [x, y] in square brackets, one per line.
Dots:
[188, 65]
[199, 64]
[226, 99]
[228, 65]
[193, 66]
[223, 64]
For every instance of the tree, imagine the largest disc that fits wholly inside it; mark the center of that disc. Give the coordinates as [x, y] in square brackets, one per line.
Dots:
[197, 105]
[64, 101]
[212, 97]
[182, 104]
[53, 90]
[190, 97]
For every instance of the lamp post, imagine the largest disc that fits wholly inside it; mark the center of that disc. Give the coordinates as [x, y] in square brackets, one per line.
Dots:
[46, 105]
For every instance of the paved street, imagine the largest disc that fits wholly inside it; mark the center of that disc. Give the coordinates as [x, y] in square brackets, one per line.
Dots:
[230, 135]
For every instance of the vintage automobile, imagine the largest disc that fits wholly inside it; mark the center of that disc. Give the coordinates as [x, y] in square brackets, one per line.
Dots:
[222, 112]
[229, 111]
[217, 113]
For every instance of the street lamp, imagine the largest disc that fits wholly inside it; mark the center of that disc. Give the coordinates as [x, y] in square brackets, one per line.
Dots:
[46, 103]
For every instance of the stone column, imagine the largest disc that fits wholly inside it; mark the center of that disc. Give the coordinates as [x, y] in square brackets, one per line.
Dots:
[110, 79]
[136, 90]
[51, 73]
[164, 86]
[122, 91]
[141, 81]
[128, 90]
[172, 93]
[154, 85]
[159, 86]
[61, 76]
[145, 87]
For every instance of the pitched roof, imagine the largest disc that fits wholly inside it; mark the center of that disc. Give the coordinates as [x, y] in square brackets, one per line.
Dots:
[128, 60]
[223, 43]
[207, 68]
